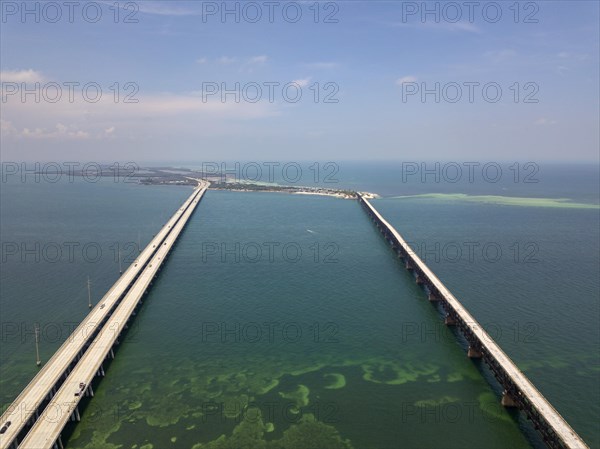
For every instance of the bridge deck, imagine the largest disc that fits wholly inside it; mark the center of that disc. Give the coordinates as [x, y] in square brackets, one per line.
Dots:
[558, 424]
[47, 429]
[25, 406]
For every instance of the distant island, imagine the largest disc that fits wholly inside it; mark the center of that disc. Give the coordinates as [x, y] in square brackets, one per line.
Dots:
[218, 181]
[249, 187]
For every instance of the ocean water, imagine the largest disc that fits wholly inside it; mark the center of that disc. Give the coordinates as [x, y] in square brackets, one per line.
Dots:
[286, 321]
[530, 276]
[54, 236]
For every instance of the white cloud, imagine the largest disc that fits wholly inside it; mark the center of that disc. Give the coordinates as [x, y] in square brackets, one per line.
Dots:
[406, 79]
[246, 64]
[464, 26]
[7, 128]
[168, 105]
[302, 82]
[573, 56]
[21, 76]
[258, 59]
[96, 121]
[153, 115]
[253, 62]
[60, 131]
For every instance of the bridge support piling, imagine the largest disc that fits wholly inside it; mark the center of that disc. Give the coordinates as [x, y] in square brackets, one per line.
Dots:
[518, 390]
[449, 320]
[56, 383]
[474, 353]
[508, 401]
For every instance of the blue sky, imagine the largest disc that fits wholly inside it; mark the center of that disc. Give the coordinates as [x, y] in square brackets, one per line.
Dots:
[370, 56]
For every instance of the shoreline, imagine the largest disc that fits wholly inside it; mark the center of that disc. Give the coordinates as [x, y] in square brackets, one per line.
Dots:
[339, 195]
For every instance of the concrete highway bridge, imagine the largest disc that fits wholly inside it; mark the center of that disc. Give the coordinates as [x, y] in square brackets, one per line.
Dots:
[37, 416]
[518, 390]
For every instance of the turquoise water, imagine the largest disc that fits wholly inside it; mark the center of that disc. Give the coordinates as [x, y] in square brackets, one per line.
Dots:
[78, 229]
[201, 327]
[286, 321]
[539, 297]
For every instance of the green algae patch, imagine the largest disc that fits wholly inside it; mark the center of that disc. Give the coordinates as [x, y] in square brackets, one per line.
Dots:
[390, 373]
[308, 433]
[246, 435]
[269, 427]
[308, 369]
[298, 396]
[273, 384]
[135, 405]
[378, 373]
[145, 387]
[491, 406]
[467, 372]
[214, 394]
[102, 429]
[218, 443]
[454, 377]
[336, 381]
[232, 406]
[166, 412]
[436, 402]
[76, 433]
